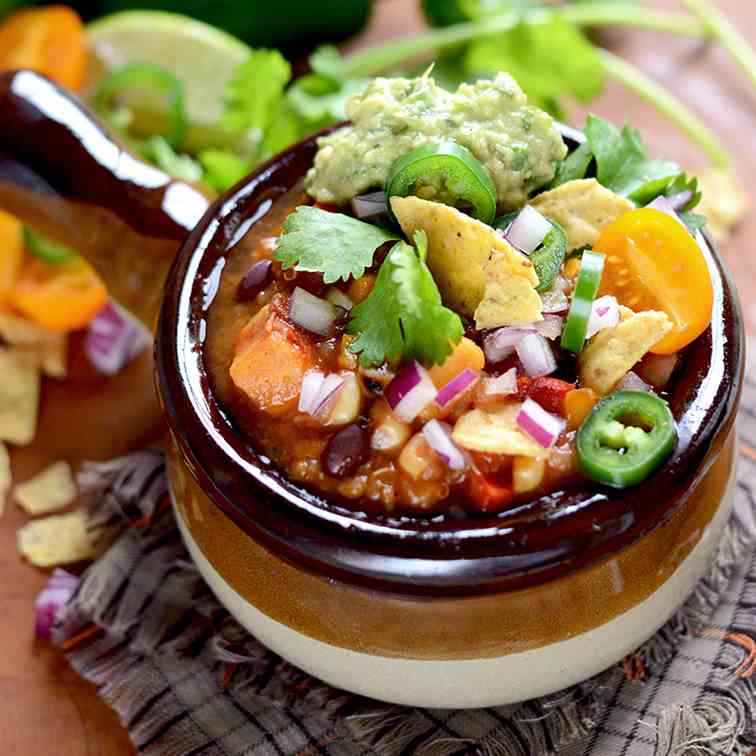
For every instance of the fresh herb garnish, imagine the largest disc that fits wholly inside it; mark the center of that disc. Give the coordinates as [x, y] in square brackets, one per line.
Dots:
[403, 314]
[223, 169]
[333, 244]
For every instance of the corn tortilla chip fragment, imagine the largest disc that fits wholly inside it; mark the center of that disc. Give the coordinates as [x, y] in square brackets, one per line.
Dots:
[611, 353]
[496, 432]
[48, 491]
[48, 347]
[5, 475]
[55, 540]
[19, 395]
[459, 248]
[583, 208]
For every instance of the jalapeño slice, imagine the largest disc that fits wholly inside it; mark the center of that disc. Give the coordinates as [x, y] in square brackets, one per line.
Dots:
[45, 249]
[445, 172]
[626, 437]
[589, 278]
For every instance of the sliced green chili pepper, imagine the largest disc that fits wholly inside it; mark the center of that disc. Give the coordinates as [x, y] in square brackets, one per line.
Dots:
[444, 172]
[146, 75]
[626, 437]
[549, 256]
[46, 250]
[589, 278]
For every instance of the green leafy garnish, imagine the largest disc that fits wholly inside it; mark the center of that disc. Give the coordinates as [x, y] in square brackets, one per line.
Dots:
[683, 183]
[694, 221]
[333, 244]
[403, 314]
[158, 151]
[223, 169]
[573, 167]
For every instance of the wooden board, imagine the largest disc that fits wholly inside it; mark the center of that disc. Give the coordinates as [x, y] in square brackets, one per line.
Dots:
[46, 708]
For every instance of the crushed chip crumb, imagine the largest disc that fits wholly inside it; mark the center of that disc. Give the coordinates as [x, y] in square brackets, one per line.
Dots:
[49, 491]
[48, 347]
[5, 475]
[55, 540]
[19, 395]
[496, 431]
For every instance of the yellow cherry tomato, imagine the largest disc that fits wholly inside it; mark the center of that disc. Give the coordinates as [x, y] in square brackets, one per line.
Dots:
[61, 296]
[653, 263]
[11, 254]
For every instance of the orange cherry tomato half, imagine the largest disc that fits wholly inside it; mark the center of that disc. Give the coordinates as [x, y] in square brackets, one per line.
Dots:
[59, 297]
[653, 263]
[49, 40]
[11, 254]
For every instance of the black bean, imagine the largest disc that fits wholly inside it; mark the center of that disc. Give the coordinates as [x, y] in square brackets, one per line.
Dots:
[255, 280]
[346, 451]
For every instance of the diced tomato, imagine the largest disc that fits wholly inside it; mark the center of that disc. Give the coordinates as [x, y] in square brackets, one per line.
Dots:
[578, 404]
[548, 392]
[465, 354]
[11, 254]
[486, 493]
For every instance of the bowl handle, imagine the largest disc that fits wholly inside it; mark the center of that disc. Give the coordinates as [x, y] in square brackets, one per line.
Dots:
[64, 174]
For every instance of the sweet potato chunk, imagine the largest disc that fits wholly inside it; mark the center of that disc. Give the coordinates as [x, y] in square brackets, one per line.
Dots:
[270, 362]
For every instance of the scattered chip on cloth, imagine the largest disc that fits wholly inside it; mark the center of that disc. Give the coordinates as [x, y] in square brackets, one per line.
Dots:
[459, 248]
[48, 491]
[48, 347]
[5, 475]
[58, 539]
[724, 202]
[495, 432]
[19, 395]
[583, 208]
[611, 353]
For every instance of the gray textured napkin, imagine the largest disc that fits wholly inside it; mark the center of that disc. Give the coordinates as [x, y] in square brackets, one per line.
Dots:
[187, 680]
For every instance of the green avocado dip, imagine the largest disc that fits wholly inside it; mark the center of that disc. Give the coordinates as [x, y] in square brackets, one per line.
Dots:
[516, 143]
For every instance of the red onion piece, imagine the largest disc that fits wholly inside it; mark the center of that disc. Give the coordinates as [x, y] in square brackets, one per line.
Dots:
[55, 594]
[632, 382]
[327, 396]
[536, 356]
[114, 338]
[456, 386]
[370, 205]
[501, 385]
[311, 385]
[337, 297]
[551, 326]
[410, 392]
[312, 313]
[664, 205]
[604, 314]
[678, 201]
[528, 230]
[439, 437]
[501, 343]
[543, 427]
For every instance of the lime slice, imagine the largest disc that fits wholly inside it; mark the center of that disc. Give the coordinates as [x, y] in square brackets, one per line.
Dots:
[200, 56]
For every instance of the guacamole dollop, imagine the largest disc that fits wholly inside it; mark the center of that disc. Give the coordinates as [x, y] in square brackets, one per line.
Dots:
[517, 143]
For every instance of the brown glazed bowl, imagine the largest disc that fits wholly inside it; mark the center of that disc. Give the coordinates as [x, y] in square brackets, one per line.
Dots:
[444, 612]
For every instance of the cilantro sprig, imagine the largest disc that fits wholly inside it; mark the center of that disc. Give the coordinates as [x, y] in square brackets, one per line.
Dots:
[334, 244]
[403, 314]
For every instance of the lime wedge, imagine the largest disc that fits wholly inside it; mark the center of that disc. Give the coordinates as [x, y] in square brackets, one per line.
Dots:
[200, 56]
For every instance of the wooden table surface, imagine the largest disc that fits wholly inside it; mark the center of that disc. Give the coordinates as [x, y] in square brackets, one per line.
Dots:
[46, 709]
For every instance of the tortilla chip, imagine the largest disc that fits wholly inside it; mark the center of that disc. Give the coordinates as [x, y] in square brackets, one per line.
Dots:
[49, 491]
[614, 351]
[5, 475]
[583, 208]
[47, 346]
[495, 432]
[60, 539]
[459, 248]
[19, 395]
[508, 299]
[724, 202]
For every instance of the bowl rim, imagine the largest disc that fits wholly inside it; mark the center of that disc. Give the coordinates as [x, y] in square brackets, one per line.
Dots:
[441, 556]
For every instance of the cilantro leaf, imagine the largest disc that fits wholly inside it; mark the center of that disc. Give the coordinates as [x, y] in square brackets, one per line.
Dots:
[223, 169]
[548, 60]
[573, 167]
[683, 183]
[622, 163]
[157, 150]
[255, 91]
[403, 314]
[694, 221]
[327, 61]
[333, 244]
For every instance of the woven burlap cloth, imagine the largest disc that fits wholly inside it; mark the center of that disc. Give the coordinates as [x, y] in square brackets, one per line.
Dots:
[187, 680]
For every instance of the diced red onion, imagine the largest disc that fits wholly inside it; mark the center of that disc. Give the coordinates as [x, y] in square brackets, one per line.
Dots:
[501, 343]
[555, 299]
[410, 392]
[664, 205]
[501, 385]
[678, 201]
[439, 437]
[327, 396]
[370, 205]
[114, 338]
[543, 427]
[456, 386]
[657, 369]
[337, 297]
[528, 230]
[536, 356]
[312, 313]
[604, 314]
[632, 382]
[550, 327]
[311, 385]
[55, 594]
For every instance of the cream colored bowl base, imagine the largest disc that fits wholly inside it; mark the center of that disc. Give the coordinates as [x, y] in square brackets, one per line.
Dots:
[473, 683]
